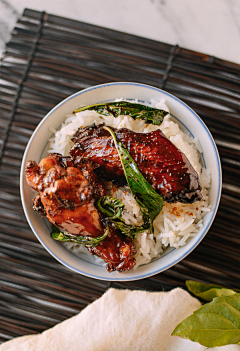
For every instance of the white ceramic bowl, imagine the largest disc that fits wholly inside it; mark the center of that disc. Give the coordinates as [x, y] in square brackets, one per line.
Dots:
[37, 148]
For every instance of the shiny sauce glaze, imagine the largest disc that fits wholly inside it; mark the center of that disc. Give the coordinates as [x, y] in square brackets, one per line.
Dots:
[67, 192]
[164, 166]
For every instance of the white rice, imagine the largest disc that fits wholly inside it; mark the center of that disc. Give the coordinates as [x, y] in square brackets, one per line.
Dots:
[176, 223]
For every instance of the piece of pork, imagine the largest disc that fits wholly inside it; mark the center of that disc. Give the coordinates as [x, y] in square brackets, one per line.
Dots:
[66, 195]
[164, 166]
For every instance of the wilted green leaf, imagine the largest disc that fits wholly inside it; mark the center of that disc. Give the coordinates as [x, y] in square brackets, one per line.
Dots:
[112, 208]
[87, 241]
[136, 111]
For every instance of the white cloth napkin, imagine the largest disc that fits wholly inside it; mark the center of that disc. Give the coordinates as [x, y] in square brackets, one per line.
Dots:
[121, 320]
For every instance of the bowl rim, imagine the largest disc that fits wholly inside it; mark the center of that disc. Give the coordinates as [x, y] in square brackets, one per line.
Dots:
[185, 253]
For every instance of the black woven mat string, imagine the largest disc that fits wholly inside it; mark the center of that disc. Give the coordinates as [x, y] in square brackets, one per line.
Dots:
[173, 53]
[43, 19]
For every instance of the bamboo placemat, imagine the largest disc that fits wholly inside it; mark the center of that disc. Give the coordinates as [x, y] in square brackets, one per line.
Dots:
[50, 58]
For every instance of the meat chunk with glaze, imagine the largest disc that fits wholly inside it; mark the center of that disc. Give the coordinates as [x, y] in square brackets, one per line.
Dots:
[162, 164]
[67, 192]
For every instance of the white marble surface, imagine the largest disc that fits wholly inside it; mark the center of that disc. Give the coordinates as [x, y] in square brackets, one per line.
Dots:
[207, 26]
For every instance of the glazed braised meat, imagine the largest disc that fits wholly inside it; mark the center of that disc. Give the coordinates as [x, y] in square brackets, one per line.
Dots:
[117, 250]
[164, 166]
[66, 195]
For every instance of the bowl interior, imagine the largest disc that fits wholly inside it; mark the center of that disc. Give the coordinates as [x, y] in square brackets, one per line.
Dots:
[37, 148]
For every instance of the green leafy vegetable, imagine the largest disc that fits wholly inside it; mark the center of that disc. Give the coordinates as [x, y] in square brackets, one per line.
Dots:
[149, 201]
[112, 208]
[208, 292]
[131, 230]
[88, 241]
[214, 324]
[136, 111]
